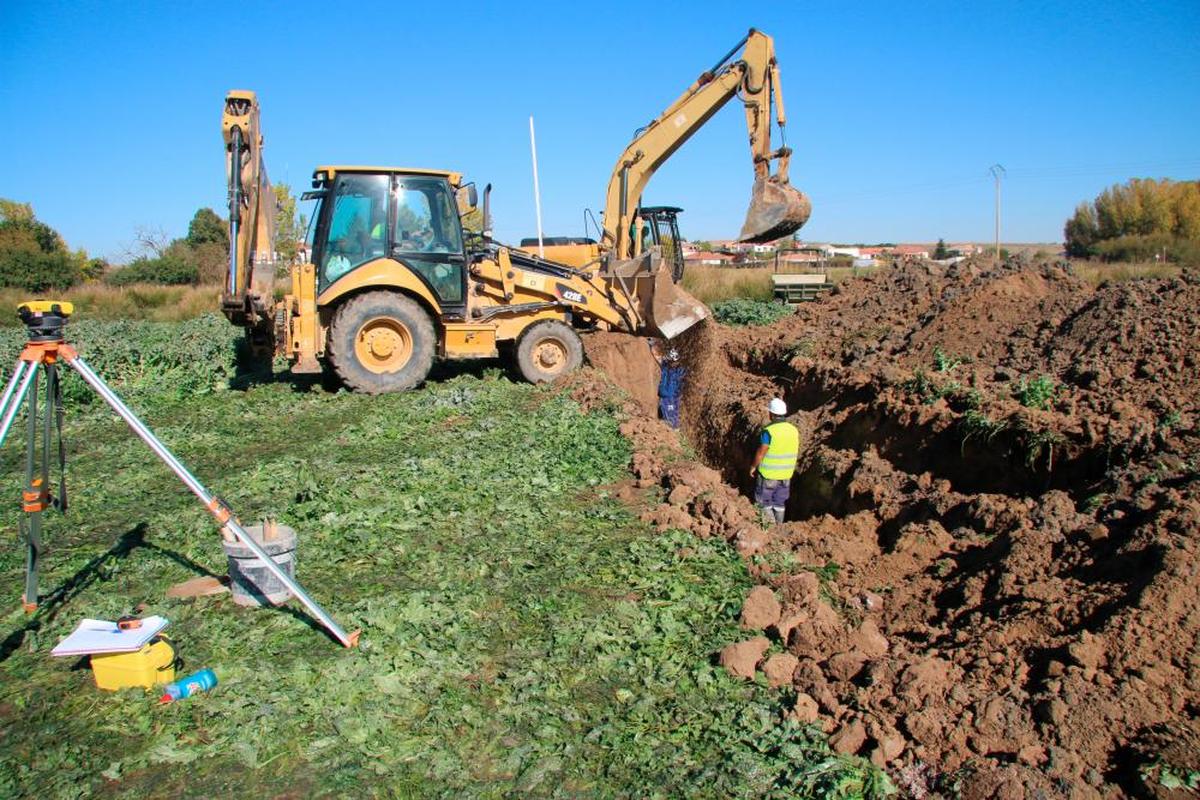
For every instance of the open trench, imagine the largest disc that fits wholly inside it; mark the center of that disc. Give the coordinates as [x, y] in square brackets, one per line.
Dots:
[958, 604]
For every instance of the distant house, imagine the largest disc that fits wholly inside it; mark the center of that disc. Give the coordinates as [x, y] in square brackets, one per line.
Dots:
[911, 250]
[708, 259]
[964, 249]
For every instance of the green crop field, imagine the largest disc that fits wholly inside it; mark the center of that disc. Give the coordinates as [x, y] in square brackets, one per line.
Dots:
[523, 633]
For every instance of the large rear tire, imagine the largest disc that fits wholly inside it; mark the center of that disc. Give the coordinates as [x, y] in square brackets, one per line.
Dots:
[381, 342]
[548, 350]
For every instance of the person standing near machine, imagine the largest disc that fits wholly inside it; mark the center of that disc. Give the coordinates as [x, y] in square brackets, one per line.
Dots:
[775, 462]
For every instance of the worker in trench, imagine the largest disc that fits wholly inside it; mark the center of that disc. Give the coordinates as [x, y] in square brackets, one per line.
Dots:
[775, 462]
[670, 387]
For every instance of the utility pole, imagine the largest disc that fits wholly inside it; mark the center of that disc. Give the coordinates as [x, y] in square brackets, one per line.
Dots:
[998, 172]
[537, 195]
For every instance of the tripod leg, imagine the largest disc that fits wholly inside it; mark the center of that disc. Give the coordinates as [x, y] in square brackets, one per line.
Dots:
[33, 503]
[30, 369]
[215, 506]
[12, 384]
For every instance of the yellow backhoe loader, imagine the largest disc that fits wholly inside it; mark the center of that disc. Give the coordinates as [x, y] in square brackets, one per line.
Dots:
[392, 279]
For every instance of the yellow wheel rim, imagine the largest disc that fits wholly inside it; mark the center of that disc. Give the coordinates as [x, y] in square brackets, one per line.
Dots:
[550, 356]
[383, 344]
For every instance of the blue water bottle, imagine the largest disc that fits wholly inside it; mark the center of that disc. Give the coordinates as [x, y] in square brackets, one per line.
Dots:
[201, 681]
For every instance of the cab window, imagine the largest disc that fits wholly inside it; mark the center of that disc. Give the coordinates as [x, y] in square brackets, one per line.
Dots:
[357, 225]
[426, 217]
[427, 235]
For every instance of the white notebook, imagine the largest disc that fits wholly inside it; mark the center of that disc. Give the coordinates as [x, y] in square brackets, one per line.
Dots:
[101, 636]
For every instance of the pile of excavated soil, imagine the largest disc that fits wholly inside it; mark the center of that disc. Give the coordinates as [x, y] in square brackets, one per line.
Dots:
[988, 591]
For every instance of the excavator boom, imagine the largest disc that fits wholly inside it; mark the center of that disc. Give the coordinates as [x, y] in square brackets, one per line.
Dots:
[776, 209]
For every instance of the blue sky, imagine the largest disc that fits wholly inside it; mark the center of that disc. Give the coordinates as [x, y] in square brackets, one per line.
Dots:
[111, 111]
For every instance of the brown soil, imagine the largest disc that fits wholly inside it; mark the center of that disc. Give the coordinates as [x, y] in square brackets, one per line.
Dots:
[989, 597]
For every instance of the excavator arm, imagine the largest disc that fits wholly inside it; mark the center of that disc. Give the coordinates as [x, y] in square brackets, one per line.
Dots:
[776, 209]
[248, 296]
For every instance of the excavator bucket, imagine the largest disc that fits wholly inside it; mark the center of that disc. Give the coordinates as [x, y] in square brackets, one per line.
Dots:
[776, 210]
[672, 310]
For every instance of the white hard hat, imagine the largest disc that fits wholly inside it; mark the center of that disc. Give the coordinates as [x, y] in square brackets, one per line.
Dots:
[777, 407]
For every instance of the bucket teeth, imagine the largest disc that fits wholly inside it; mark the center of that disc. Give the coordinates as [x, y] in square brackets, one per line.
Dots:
[776, 210]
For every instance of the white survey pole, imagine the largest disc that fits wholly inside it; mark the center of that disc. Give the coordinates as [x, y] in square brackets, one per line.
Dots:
[537, 195]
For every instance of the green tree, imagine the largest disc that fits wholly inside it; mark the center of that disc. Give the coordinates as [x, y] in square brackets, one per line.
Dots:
[207, 227]
[32, 254]
[1137, 219]
[12, 210]
[940, 251]
[290, 226]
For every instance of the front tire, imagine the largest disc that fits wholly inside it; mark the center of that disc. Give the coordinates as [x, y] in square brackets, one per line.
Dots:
[381, 342]
[548, 350]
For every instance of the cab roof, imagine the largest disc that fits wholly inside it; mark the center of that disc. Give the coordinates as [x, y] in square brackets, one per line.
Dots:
[455, 178]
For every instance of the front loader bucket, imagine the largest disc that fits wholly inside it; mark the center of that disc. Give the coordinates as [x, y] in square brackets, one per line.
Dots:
[671, 309]
[776, 210]
[661, 306]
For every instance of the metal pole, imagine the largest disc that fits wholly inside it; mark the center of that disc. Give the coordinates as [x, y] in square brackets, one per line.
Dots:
[235, 207]
[11, 413]
[537, 195]
[12, 384]
[997, 172]
[210, 502]
[33, 514]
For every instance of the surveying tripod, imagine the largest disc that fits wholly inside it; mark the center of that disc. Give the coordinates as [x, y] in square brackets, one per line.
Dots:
[45, 320]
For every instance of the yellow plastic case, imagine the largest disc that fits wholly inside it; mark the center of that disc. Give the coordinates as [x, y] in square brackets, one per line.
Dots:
[153, 664]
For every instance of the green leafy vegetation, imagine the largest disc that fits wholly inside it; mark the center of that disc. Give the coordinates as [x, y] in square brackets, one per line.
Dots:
[154, 359]
[1039, 393]
[524, 634]
[975, 424]
[944, 362]
[745, 311]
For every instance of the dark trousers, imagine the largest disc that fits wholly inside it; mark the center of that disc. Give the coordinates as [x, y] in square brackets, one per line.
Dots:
[772, 497]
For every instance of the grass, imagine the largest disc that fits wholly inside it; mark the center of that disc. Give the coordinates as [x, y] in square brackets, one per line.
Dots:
[524, 634]
[97, 301]
[711, 284]
[1097, 272]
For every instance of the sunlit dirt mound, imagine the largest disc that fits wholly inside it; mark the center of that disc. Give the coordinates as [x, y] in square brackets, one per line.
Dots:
[988, 581]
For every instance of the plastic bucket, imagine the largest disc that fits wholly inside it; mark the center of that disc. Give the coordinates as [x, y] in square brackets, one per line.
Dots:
[250, 580]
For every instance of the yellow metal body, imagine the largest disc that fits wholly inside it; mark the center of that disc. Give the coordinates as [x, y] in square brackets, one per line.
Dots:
[65, 309]
[573, 255]
[152, 665]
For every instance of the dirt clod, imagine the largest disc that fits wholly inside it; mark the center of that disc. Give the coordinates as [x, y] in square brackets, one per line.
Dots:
[779, 669]
[761, 609]
[741, 659]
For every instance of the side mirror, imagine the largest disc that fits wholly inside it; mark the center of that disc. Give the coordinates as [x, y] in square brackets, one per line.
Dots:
[466, 198]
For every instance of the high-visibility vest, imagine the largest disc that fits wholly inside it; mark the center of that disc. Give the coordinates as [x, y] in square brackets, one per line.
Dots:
[784, 449]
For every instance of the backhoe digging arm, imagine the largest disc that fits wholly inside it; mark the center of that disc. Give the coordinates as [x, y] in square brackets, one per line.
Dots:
[248, 295]
[776, 208]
